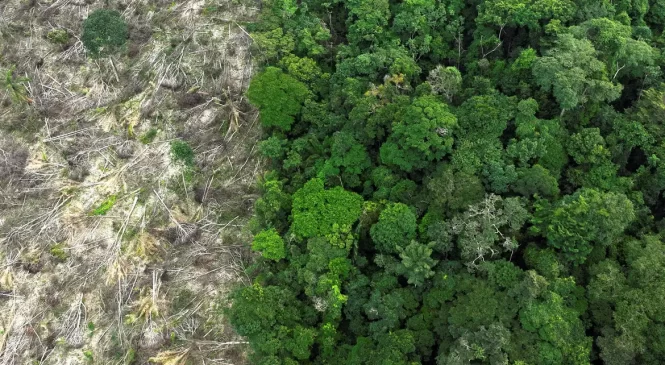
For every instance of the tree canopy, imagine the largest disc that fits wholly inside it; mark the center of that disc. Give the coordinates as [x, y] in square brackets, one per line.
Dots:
[458, 182]
[104, 32]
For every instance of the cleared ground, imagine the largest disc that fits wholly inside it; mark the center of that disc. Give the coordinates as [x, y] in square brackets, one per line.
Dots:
[111, 251]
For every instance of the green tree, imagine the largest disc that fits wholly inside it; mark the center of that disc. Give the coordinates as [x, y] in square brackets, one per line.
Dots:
[617, 48]
[278, 96]
[479, 230]
[270, 244]
[395, 229]
[422, 135]
[561, 332]
[485, 117]
[417, 262]
[574, 74]
[453, 191]
[348, 159]
[445, 81]
[366, 20]
[274, 204]
[536, 140]
[273, 44]
[587, 218]
[536, 180]
[429, 28]
[274, 320]
[316, 210]
[588, 146]
[543, 261]
[525, 13]
[273, 147]
[104, 33]
[624, 299]
[15, 87]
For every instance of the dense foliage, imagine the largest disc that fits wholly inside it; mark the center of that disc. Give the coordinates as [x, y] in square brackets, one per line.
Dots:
[459, 182]
[104, 32]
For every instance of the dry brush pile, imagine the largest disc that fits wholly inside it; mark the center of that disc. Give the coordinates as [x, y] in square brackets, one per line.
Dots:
[126, 182]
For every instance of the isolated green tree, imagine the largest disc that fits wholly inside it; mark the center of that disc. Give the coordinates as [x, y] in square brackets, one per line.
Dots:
[104, 33]
[15, 86]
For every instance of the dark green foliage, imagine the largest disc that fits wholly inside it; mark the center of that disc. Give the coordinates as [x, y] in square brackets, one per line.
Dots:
[574, 74]
[148, 136]
[422, 135]
[560, 331]
[633, 285]
[417, 263]
[588, 146]
[458, 182]
[182, 152]
[395, 229]
[587, 218]
[454, 191]
[536, 180]
[104, 33]
[348, 159]
[485, 117]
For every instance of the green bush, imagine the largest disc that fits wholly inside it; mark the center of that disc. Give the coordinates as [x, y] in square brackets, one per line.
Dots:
[149, 136]
[104, 33]
[105, 206]
[181, 151]
[58, 251]
[58, 36]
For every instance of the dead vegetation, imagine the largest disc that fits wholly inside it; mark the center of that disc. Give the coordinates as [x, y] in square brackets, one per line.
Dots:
[110, 250]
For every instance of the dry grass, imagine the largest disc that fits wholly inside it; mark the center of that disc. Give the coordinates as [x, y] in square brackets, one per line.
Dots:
[147, 278]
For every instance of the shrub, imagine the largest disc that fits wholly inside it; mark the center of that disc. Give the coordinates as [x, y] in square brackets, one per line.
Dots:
[58, 251]
[104, 32]
[149, 136]
[181, 151]
[105, 206]
[14, 86]
[58, 36]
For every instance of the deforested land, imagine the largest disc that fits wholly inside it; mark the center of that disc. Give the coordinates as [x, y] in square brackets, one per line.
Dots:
[128, 169]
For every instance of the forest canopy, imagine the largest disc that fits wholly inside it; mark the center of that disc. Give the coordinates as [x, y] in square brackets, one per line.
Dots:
[455, 182]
